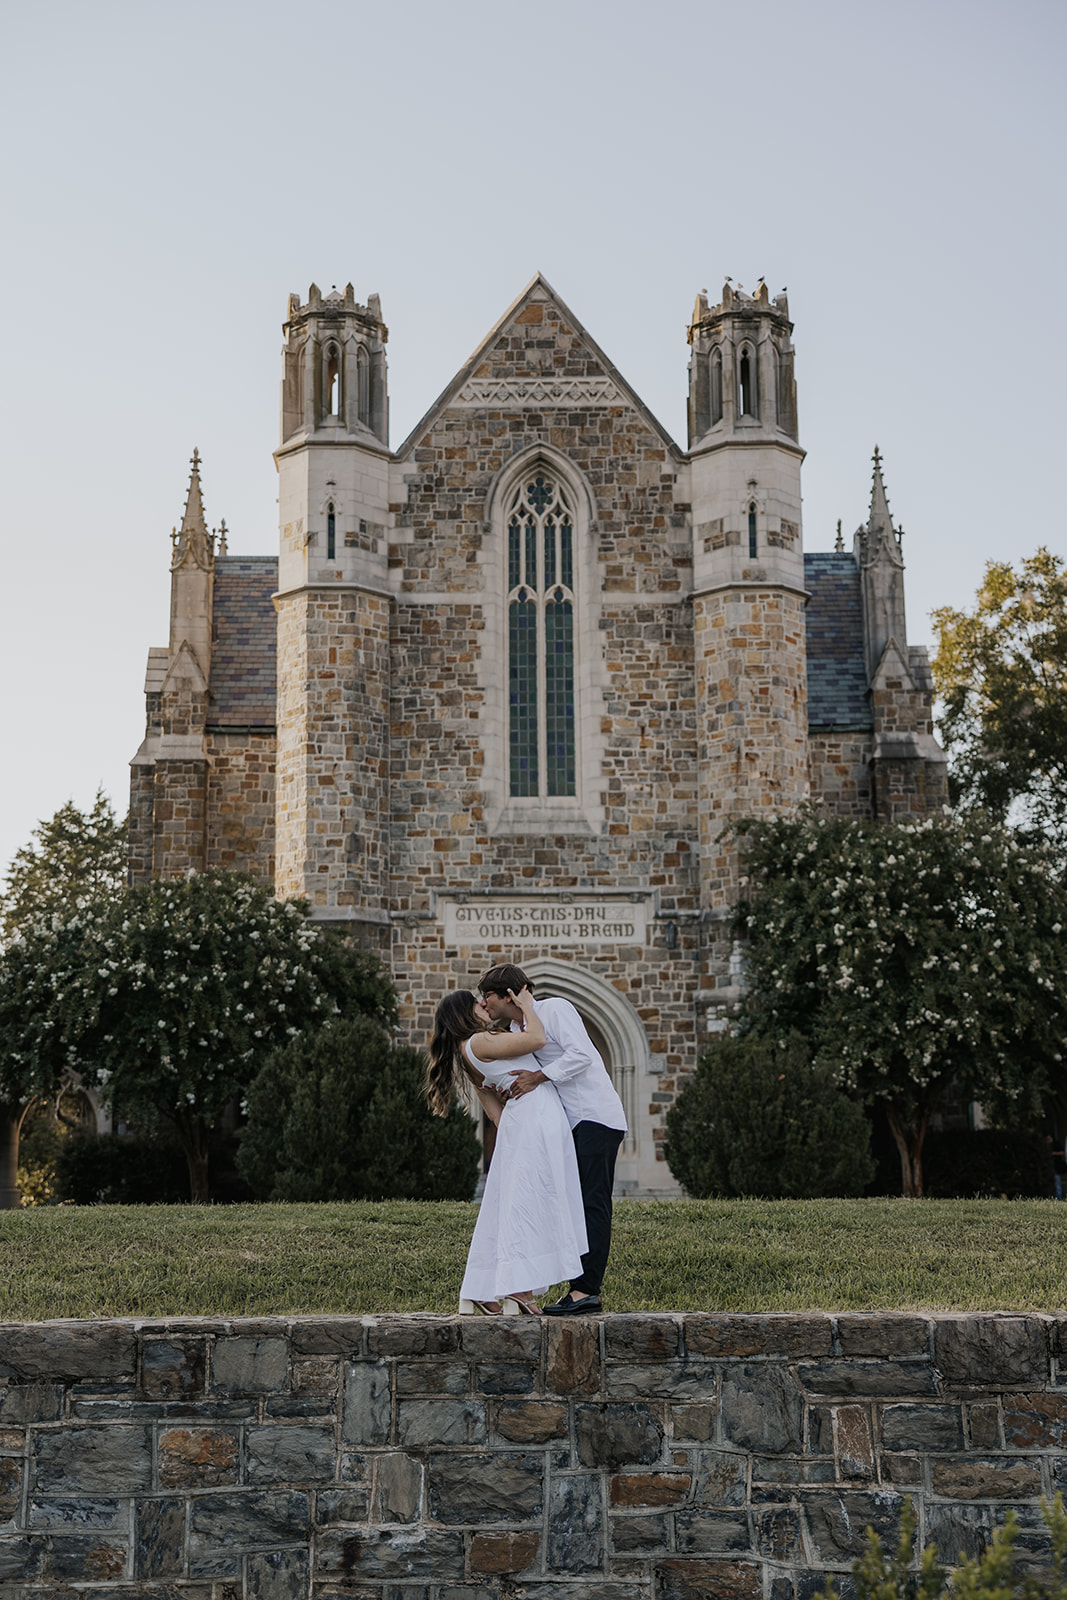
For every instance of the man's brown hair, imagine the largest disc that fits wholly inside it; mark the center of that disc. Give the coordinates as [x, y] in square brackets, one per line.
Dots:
[498, 980]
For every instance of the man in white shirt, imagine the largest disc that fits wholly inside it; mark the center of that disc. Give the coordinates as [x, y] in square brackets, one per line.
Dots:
[573, 1064]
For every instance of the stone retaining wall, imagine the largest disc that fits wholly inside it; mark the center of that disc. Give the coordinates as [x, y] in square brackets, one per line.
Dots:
[653, 1457]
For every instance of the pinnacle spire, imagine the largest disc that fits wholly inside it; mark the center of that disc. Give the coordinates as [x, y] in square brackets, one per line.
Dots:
[880, 519]
[192, 541]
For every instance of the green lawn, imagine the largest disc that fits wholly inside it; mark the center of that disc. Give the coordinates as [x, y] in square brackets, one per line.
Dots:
[153, 1261]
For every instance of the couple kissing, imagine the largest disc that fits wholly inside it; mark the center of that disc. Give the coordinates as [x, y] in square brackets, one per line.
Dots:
[545, 1216]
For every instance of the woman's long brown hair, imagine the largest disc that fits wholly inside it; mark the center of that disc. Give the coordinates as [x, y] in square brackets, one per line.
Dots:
[454, 1023]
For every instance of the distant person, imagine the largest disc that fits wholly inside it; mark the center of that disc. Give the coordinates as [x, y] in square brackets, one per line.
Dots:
[530, 1231]
[572, 1065]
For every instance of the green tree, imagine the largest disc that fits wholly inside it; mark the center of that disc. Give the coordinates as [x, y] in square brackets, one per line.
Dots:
[758, 1117]
[166, 998]
[74, 859]
[340, 1114]
[1001, 673]
[907, 955]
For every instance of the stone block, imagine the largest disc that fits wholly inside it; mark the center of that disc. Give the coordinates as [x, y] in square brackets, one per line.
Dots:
[933, 1427]
[328, 1336]
[575, 1516]
[855, 1450]
[318, 1376]
[197, 1458]
[572, 1355]
[10, 1487]
[433, 1377]
[469, 1489]
[45, 1516]
[838, 1523]
[88, 1557]
[777, 1535]
[650, 1488]
[504, 1339]
[341, 1505]
[720, 1479]
[504, 1378]
[705, 1532]
[54, 1352]
[375, 1555]
[616, 1435]
[290, 1453]
[412, 1336]
[504, 1552]
[988, 1478]
[88, 1460]
[679, 1579]
[367, 1404]
[278, 1575]
[869, 1378]
[436, 1422]
[1035, 1421]
[173, 1370]
[991, 1351]
[983, 1425]
[634, 1535]
[740, 1336]
[159, 1538]
[762, 1408]
[958, 1533]
[398, 1488]
[224, 1526]
[880, 1333]
[694, 1421]
[668, 1380]
[640, 1339]
[531, 1421]
[245, 1365]
[769, 1473]
[901, 1469]
[23, 1403]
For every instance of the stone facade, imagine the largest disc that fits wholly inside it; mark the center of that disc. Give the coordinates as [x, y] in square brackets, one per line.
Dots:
[347, 719]
[652, 1457]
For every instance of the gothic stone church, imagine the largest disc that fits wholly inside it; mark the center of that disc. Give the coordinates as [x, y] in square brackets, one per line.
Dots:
[501, 687]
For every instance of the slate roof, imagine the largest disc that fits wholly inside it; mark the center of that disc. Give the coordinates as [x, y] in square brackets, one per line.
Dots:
[243, 688]
[837, 673]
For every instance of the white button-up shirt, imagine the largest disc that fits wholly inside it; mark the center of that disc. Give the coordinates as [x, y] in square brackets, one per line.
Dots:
[572, 1062]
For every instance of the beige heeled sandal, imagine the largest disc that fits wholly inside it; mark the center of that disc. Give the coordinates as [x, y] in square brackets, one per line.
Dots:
[515, 1307]
[474, 1308]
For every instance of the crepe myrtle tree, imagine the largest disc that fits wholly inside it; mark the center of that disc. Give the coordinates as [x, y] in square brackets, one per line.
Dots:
[166, 997]
[909, 954]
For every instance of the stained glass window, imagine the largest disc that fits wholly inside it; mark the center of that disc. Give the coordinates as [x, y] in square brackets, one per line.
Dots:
[541, 640]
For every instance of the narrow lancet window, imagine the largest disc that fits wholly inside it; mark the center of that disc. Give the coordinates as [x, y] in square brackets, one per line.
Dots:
[331, 534]
[333, 382]
[363, 384]
[747, 382]
[716, 387]
[541, 680]
[753, 550]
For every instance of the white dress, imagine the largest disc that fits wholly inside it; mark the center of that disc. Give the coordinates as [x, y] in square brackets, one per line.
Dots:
[530, 1231]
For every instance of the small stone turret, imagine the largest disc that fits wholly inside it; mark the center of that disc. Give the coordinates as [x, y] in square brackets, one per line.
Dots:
[881, 562]
[741, 370]
[192, 579]
[334, 377]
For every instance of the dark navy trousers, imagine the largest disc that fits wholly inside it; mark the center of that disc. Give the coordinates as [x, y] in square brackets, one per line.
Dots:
[596, 1148]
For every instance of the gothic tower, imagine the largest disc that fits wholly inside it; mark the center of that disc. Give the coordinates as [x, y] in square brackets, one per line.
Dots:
[748, 585]
[333, 610]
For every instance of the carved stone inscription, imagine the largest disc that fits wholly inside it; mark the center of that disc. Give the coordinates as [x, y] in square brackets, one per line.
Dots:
[544, 922]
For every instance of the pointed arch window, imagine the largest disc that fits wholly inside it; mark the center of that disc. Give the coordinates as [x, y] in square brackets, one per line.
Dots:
[331, 534]
[746, 381]
[363, 384]
[753, 549]
[333, 381]
[541, 609]
[716, 386]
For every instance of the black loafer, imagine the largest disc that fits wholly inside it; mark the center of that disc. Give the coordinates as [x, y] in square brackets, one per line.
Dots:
[588, 1305]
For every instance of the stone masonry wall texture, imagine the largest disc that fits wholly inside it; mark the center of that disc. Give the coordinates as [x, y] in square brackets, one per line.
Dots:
[650, 1457]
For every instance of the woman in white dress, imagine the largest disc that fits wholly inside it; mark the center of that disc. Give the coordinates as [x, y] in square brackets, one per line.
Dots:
[530, 1231]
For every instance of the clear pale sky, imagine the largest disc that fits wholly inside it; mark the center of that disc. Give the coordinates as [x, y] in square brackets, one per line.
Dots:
[171, 172]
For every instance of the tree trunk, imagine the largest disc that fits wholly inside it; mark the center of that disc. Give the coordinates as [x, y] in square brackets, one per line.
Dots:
[193, 1135]
[909, 1140]
[10, 1193]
